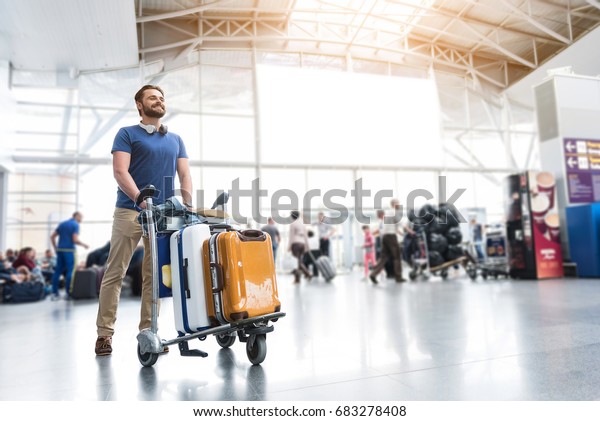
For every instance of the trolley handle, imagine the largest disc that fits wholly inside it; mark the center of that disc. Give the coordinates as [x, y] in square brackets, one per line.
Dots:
[219, 271]
[146, 192]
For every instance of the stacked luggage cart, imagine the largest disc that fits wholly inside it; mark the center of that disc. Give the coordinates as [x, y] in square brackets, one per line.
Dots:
[222, 281]
[434, 245]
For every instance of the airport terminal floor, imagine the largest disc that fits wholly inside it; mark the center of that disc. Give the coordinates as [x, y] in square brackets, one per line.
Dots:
[454, 340]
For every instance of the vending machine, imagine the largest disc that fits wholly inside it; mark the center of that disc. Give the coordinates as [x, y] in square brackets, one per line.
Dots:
[532, 226]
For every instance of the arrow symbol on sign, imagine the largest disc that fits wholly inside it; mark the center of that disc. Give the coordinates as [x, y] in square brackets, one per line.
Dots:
[570, 146]
[571, 162]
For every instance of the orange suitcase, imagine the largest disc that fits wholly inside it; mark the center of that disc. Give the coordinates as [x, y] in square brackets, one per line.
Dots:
[239, 272]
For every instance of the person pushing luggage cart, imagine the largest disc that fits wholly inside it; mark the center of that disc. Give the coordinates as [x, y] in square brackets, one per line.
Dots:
[143, 154]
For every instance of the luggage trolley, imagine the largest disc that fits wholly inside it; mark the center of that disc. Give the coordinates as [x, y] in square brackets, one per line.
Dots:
[420, 265]
[495, 262]
[419, 256]
[251, 330]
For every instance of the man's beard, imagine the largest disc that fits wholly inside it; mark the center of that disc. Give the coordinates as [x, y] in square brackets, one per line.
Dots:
[154, 112]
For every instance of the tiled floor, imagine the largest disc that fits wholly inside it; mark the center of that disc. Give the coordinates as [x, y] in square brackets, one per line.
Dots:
[346, 340]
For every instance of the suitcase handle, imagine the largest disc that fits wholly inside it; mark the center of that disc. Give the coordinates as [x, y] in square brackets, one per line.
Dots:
[219, 271]
[222, 227]
[186, 284]
[252, 235]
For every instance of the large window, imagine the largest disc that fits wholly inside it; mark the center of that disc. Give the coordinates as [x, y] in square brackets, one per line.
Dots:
[337, 118]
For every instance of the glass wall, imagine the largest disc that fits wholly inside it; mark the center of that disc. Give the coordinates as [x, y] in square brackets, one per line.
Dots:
[312, 127]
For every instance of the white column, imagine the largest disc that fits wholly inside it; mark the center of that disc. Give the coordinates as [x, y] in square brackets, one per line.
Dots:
[7, 130]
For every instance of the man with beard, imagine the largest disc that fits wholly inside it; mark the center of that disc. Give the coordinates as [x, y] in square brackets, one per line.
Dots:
[146, 153]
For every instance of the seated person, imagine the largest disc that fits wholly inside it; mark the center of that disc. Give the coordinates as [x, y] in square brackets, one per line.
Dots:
[98, 257]
[10, 255]
[47, 265]
[10, 275]
[26, 258]
[25, 265]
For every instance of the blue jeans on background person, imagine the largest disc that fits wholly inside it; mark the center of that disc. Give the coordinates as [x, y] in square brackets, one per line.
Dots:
[275, 246]
[479, 251]
[65, 263]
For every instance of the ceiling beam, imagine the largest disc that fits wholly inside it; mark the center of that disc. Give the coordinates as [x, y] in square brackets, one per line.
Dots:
[463, 17]
[484, 38]
[183, 12]
[594, 3]
[518, 12]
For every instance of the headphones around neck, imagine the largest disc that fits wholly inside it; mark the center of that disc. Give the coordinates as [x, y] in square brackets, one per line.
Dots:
[151, 128]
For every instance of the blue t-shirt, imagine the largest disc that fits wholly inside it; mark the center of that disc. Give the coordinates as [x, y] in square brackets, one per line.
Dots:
[153, 161]
[65, 232]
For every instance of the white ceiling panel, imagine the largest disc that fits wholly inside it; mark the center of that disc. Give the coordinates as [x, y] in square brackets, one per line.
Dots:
[68, 34]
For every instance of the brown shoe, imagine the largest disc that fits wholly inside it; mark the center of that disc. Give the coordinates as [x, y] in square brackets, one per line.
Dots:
[104, 345]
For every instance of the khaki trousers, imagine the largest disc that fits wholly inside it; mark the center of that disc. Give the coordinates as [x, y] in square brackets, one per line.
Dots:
[126, 234]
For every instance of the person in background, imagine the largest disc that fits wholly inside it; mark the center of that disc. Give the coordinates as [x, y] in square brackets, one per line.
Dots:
[315, 252]
[10, 255]
[26, 265]
[67, 233]
[47, 264]
[98, 257]
[326, 231]
[7, 272]
[392, 228]
[477, 237]
[273, 232]
[26, 258]
[369, 250]
[143, 154]
[298, 245]
[378, 234]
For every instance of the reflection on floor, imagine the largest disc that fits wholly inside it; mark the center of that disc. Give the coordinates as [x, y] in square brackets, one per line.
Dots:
[344, 340]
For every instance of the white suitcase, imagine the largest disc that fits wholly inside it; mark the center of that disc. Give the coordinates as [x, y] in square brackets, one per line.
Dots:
[187, 276]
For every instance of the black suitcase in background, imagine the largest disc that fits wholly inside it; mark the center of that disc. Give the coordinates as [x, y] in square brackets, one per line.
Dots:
[83, 284]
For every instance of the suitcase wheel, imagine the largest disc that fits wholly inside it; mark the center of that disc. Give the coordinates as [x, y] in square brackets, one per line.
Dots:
[257, 350]
[225, 341]
[148, 359]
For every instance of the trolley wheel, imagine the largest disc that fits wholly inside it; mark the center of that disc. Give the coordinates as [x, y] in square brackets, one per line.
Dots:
[412, 275]
[472, 272]
[148, 359]
[225, 341]
[484, 274]
[444, 274]
[257, 353]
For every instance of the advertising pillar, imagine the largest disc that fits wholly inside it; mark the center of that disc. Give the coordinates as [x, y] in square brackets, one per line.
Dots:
[545, 224]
